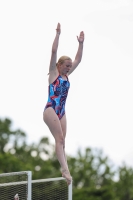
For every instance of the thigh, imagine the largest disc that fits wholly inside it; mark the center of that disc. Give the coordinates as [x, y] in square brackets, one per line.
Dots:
[52, 121]
[63, 123]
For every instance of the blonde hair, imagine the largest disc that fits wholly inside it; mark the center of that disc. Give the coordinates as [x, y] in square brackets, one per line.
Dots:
[61, 61]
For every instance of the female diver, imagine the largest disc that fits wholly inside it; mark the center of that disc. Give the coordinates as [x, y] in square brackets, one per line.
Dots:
[54, 113]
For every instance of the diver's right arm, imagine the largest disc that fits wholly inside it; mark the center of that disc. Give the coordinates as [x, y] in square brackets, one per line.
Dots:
[54, 49]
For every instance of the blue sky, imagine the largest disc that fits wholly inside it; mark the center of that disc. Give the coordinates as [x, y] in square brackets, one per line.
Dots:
[99, 106]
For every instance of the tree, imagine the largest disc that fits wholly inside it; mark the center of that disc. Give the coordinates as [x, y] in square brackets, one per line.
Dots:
[123, 188]
[20, 156]
[7, 135]
[92, 171]
[92, 175]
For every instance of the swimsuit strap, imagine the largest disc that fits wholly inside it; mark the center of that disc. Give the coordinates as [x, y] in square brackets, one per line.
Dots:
[66, 77]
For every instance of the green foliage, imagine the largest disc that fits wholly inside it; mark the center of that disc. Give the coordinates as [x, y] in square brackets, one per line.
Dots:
[93, 194]
[92, 171]
[7, 135]
[124, 187]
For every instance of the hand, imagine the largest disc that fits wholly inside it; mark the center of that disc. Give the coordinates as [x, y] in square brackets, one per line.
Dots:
[81, 37]
[58, 29]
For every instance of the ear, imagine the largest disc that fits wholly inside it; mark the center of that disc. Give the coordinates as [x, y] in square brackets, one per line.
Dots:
[58, 65]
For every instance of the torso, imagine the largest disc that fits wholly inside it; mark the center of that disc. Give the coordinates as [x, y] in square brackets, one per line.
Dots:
[58, 91]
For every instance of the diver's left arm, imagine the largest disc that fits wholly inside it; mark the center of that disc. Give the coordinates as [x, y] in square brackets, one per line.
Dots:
[78, 56]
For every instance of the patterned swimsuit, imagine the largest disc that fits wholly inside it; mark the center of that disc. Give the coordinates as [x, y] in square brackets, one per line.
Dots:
[57, 96]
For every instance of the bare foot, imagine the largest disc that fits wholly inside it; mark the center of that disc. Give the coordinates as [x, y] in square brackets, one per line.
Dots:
[67, 176]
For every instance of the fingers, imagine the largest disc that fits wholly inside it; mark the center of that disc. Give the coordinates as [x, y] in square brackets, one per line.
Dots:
[58, 26]
[81, 33]
[58, 29]
[81, 36]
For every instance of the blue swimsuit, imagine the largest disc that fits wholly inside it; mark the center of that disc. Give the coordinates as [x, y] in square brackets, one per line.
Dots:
[57, 96]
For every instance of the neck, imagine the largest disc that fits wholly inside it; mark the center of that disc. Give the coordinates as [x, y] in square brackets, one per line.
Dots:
[63, 75]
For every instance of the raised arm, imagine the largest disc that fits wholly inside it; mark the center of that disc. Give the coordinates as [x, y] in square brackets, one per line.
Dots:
[54, 49]
[78, 56]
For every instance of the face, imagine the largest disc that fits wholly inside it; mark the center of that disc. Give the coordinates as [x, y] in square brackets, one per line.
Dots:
[65, 67]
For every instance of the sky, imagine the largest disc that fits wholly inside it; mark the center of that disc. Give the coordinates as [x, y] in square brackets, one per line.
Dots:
[99, 106]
